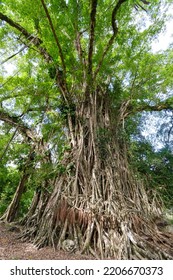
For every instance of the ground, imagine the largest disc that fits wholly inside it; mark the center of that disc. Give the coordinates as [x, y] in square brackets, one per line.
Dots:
[11, 248]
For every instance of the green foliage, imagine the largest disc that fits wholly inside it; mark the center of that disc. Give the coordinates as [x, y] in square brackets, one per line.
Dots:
[156, 167]
[9, 179]
[25, 201]
[103, 138]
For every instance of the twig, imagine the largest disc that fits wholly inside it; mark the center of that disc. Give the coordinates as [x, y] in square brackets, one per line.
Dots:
[13, 55]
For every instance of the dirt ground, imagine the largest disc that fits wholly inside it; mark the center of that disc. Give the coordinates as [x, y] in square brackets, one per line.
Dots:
[11, 248]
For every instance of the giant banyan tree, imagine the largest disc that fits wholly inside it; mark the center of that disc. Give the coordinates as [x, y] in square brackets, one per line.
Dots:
[98, 56]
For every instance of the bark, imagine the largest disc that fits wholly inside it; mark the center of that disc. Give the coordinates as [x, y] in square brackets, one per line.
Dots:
[92, 35]
[55, 35]
[97, 204]
[111, 40]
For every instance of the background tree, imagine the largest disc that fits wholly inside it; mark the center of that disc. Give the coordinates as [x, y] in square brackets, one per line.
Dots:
[89, 66]
[153, 164]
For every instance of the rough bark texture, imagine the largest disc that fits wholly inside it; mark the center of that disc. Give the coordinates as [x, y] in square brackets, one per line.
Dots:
[97, 205]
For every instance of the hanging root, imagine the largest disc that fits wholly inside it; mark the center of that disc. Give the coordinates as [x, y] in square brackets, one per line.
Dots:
[117, 235]
[97, 205]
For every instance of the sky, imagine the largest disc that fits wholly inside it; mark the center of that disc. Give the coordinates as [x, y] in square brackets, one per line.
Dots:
[153, 121]
[161, 43]
[164, 39]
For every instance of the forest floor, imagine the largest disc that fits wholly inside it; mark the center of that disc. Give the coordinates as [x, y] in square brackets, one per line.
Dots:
[11, 248]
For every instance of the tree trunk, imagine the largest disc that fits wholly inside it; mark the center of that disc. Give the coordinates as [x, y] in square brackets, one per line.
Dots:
[12, 210]
[97, 205]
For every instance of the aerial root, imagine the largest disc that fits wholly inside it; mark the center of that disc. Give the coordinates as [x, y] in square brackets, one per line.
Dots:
[114, 236]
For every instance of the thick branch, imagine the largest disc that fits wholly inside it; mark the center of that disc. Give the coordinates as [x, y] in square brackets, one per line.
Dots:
[145, 2]
[156, 108]
[44, 53]
[17, 26]
[16, 122]
[78, 36]
[60, 75]
[55, 35]
[134, 108]
[111, 40]
[33, 39]
[92, 33]
[130, 107]
[114, 13]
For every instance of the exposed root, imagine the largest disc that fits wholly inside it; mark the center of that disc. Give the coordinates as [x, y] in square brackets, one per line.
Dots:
[97, 204]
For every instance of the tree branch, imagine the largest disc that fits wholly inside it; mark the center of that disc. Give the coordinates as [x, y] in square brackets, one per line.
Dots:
[34, 39]
[114, 13]
[60, 75]
[13, 55]
[55, 36]
[16, 122]
[156, 108]
[8, 144]
[43, 52]
[79, 49]
[92, 33]
[111, 40]
[134, 108]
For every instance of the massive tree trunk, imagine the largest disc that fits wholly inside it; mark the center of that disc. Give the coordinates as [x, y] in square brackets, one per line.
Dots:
[97, 205]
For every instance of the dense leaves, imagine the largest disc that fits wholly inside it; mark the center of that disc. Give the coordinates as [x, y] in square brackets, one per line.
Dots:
[155, 167]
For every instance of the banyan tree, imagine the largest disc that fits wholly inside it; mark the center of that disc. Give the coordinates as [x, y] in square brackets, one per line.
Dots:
[88, 67]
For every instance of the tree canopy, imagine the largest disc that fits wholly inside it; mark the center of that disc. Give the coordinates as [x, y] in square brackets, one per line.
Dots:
[64, 36]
